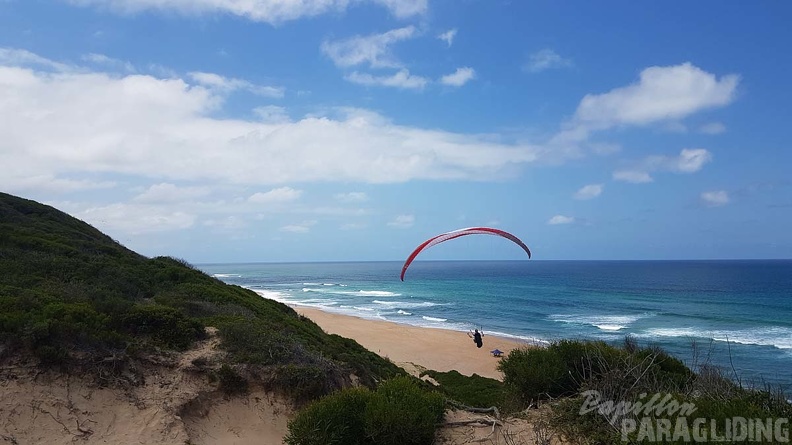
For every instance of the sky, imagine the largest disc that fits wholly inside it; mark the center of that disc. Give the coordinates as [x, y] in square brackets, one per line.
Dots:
[223, 131]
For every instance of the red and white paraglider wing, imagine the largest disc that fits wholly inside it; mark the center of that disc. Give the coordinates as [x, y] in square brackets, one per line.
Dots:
[456, 234]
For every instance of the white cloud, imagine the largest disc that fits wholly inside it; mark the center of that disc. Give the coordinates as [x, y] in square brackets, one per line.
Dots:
[632, 176]
[589, 191]
[302, 227]
[401, 79]
[24, 58]
[228, 85]
[448, 36]
[351, 197]
[165, 193]
[713, 128]
[137, 218]
[270, 11]
[662, 93]
[403, 221]
[282, 194]
[715, 198]
[689, 160]
[404, 8]
[101, 59]
[163, 130]
[544, 60]
[47, 182]
[373, 50]
[460, 77]
[560, 219]
[272, 114]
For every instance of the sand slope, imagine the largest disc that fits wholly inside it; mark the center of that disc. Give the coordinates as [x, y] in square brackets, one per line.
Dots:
[176, 405]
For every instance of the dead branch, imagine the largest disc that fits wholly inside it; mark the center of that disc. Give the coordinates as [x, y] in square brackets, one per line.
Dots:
[475, 410]
[484, 422]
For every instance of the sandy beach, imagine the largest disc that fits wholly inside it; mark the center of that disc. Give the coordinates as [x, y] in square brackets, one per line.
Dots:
[411, 346]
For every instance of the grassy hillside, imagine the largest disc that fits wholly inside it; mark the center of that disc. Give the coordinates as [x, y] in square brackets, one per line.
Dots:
[70, 295]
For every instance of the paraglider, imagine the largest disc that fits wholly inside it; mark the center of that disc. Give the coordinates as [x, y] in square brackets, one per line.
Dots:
[456, 234]
[477, 338]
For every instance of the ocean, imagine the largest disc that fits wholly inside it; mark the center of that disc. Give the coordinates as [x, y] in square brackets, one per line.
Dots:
[738, 314]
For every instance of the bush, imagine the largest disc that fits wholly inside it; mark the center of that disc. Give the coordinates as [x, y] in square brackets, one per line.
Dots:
[472, 390]
[534, 374]
[402, 414]
[336, 419]
[165, 325]
[398, 413]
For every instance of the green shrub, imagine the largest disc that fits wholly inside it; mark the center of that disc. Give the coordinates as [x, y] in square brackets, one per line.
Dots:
[165, 325]
[534, 373]
[336, 419]
[399, 412]
[69, 291]
[472, 390]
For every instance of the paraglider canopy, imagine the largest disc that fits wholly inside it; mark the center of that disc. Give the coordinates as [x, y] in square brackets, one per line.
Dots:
[456, 234]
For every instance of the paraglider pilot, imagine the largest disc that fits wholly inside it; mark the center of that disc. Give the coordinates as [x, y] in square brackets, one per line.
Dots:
[477, 338]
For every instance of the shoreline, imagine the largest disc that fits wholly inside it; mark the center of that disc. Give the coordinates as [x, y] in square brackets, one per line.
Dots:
[413, 347]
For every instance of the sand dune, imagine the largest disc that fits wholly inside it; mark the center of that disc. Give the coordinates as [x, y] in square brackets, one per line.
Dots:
[178, 405]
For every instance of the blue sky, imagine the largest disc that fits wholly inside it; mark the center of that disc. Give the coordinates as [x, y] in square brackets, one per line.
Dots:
[334, 130]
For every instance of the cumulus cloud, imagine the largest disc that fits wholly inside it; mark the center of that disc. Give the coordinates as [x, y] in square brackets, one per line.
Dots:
[544, 60]
[373, 50]
[270, 11]
[228, 85]
[402, 221]
[404, 8]
[282, 194]
[401, 79]
[164, 130]
[661, 93]
[448, 36]
[715, 198]
[589, 191]
[458, 78]
[689, 160]
[560, 219]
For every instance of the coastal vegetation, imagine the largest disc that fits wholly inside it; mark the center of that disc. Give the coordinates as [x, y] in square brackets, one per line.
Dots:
[398, 412]
[73, 299]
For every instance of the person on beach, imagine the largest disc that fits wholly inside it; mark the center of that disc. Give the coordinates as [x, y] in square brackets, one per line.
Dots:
[477, 337]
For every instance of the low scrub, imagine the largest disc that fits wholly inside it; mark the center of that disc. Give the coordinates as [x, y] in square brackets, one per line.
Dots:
[592, 378]
[399, 412]
[472, 390]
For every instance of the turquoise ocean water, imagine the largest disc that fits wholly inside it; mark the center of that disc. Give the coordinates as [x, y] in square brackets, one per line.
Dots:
[739, 313]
